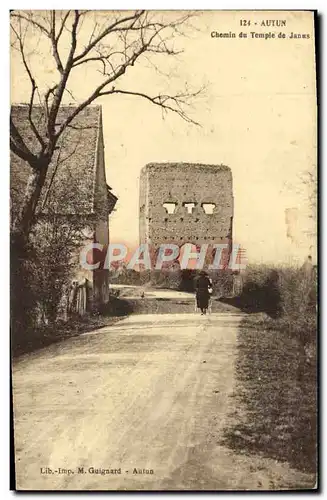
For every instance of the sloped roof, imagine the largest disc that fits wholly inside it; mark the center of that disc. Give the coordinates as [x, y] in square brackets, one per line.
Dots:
[71, 180]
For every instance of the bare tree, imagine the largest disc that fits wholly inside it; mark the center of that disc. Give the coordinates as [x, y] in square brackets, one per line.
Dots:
[117, 41]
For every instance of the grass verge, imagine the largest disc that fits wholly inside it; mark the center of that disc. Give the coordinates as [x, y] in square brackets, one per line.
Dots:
[275, 396]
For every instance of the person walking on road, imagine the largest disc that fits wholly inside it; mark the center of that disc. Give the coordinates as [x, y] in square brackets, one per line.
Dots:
[203, 289]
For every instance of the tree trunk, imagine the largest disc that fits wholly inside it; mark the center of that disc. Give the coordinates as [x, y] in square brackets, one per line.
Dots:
[22, 301]
[23, 223]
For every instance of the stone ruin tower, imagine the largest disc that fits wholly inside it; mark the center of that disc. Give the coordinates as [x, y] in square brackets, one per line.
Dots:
[186, 203]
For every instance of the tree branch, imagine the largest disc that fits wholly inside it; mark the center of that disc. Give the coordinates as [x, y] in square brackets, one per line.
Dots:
[63, 82]
[30, 20]
[117, 44]
[106, 32]
[54, 42]
[33, 84]
[164, 101]
[97, 91]
[63, 23]
[24, 155]
[18, 144]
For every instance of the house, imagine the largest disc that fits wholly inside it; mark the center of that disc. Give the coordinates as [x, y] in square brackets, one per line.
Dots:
[75, 190]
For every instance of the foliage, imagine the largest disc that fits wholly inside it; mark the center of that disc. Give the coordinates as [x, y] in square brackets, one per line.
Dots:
[56, 244]
[288, 294]
[125, 276]
[42, 278]
[276, 369]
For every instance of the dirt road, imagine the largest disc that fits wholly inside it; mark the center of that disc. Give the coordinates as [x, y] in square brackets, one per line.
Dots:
[152, 393]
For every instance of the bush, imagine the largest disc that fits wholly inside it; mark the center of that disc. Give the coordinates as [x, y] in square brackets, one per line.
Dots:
[299, 303]
[125, 277]
[169, 278]
[287, 293]
[41, 272]
[222, 282]
[260, 292]
[276, 368]
[23, 295]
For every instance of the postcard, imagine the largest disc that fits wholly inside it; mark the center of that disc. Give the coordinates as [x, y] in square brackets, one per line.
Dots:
[163, 195]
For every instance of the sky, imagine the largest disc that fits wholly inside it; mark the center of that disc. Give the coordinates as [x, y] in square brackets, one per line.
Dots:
[257, 115]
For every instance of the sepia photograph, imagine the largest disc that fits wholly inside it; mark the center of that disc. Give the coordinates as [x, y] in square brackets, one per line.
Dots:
[163, 250]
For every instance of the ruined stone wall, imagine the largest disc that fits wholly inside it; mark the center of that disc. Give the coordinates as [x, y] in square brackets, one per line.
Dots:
[206, 186]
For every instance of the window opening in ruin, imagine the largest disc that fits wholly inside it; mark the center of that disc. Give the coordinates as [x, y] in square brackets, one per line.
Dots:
[208, 208]
[189, 206]
[170, 207]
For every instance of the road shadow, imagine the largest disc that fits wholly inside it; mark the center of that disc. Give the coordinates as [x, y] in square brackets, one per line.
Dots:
[46, 335]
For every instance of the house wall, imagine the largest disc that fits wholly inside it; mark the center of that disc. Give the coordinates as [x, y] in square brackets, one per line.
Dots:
[98, 228]
[78, 189]
[101, 223]
[81, 272]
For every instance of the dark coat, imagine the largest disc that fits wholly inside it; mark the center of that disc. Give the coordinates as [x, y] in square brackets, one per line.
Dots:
[202, 286]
